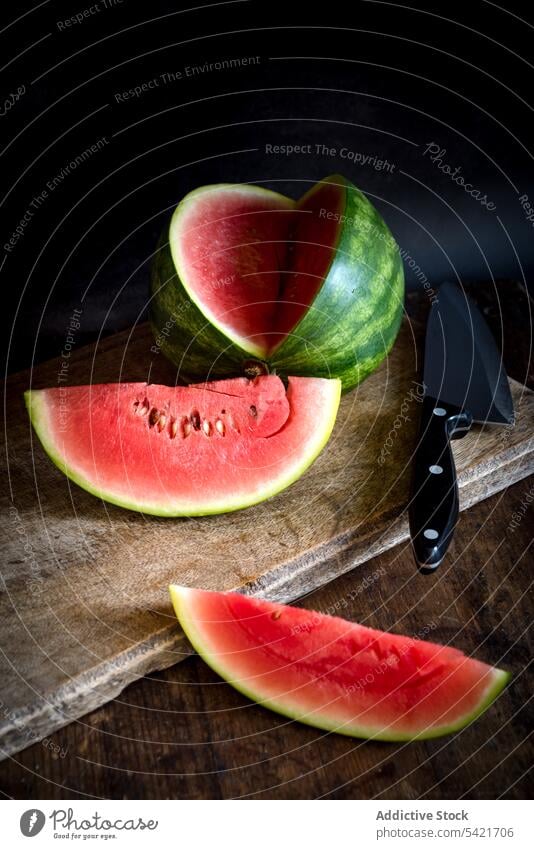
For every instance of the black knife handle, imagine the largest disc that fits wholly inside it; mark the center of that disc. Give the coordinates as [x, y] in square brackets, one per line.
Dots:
[434, 499]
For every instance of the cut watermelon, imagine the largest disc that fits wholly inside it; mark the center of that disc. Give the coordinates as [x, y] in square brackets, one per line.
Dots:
[312, 288]
[232, 258]
[335, 674]
[186, 451]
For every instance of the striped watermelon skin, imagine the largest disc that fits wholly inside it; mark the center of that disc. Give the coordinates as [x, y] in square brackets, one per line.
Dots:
[354, 319]
[185, 336]
[347, 331]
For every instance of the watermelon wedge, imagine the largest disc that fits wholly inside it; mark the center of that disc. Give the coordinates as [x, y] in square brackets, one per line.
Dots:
[334, 674]
[186, 451]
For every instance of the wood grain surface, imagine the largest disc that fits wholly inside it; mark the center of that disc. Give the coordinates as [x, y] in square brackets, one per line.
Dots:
[184, 734]
[82, 619]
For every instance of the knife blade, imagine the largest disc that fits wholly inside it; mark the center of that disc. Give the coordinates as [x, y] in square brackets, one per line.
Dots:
[464, 381]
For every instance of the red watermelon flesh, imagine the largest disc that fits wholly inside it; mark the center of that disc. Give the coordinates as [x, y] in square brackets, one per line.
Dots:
[335, 674]
[192, 450]
[254, 260]
[312, 240]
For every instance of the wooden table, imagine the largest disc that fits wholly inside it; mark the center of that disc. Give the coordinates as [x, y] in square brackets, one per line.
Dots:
[185, 734]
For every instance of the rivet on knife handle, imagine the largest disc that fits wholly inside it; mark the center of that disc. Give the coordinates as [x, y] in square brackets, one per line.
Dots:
[434, 498]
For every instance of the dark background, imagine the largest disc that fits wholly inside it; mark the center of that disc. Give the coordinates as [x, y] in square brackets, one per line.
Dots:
[379, 79]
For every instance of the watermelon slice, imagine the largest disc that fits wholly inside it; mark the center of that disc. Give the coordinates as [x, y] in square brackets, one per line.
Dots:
[234, 252]
[186, 451]
[335, 674]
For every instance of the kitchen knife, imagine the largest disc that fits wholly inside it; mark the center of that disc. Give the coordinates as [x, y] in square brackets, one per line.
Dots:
[464, 381]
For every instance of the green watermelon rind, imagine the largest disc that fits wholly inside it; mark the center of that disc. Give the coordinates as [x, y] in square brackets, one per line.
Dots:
[179, 601]
[349, 328]
[38, 416]
[352, 323]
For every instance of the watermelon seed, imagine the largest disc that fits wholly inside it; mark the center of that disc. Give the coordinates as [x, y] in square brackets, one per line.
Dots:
[233, 423]
[162, 422]
[219, 427]
[276, 615]
[174, 428]
[206, 427]
[195, 419]
[253, 411]
[153, 417]
[186, 426]
[141, 409]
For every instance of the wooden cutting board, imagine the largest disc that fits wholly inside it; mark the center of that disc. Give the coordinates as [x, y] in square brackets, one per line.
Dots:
[84, 608]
